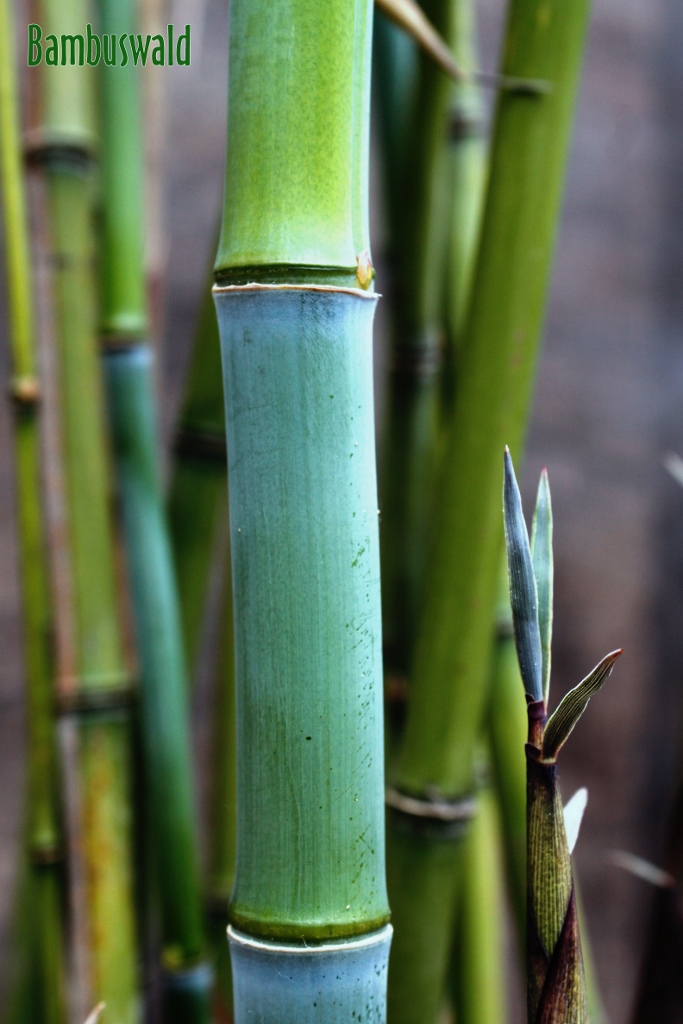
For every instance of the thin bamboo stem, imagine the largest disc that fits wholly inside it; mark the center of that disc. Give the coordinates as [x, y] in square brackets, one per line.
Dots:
[128, 374]
[223, 835]
[419, 236]
[295, 315]
[98, 695]
[40, 900]
[197, 500]
[477, 977]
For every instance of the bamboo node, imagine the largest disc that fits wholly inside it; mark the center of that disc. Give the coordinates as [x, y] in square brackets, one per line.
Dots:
[440, 819]
[424, 361]
[25, 391]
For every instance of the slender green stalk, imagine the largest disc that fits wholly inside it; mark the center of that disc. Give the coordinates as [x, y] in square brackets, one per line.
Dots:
[128, 374]
[309, 910]
[197, 500]
[478, 962]
[41, 896]
[223, 803]
[556, 989]
[450, 667]
[467, 156]
[97, 697]
[418, 233]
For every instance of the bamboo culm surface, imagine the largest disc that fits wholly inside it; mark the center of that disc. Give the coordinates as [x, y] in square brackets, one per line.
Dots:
[309, 939]
[96, 700]
[38, 993]
[167, 767]
[451, 662]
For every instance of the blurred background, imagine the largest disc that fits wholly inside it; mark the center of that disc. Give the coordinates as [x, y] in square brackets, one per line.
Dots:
[608, 406]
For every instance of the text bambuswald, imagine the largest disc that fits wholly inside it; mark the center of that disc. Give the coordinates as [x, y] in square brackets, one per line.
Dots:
[114, 51]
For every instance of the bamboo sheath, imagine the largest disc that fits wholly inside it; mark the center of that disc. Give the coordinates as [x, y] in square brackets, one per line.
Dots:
[309, 940]
[41, 945]
[97, 698]
[186, 979]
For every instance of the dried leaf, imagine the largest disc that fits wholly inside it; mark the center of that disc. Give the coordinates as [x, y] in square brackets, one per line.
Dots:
[573, 705]
[542, 562]
[411, 18]
[523, 596]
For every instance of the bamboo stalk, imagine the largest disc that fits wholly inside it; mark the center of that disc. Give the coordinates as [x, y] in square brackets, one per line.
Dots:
[478, 963]
[96, 699]
[450, 666]
[419, 235]
[197, 500]
[295, 316]
[186, 979]
[223, 833]
[40, 900]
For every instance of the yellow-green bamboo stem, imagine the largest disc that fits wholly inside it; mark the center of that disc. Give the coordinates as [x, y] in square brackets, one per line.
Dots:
[98, 695]
[478, 962]
[41, 895]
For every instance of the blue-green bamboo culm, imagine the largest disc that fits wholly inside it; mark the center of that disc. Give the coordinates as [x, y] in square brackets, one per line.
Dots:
[309, 933]
[167, 769]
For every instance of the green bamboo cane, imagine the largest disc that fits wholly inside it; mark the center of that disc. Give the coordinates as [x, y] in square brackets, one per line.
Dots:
[556, 989]
[222, 843]
[495, 371]
[419, 235]
[186, 978]
[97, 699]
[197, 500]
[478, 962]
[40, 901]
[309, 939]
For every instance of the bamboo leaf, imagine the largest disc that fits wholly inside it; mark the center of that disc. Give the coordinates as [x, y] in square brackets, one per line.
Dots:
[573, 705]
[573, 816]
[523, 595]
[95, 1015]
[542, 561]
[410, 17]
